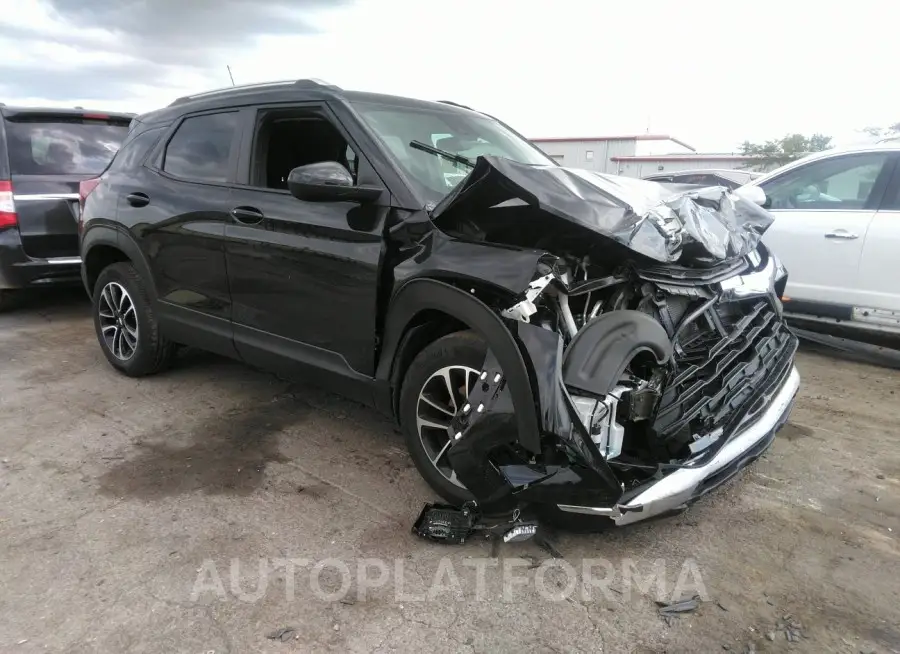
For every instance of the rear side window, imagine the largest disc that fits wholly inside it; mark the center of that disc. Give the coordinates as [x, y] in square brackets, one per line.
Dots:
[133, 152]
[200, 149]
[62, 146]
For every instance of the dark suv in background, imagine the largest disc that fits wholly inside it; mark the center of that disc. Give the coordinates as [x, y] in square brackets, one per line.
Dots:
[545, 337]
[44, 155]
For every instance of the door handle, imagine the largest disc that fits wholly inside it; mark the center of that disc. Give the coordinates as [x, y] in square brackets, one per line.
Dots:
[843, 234]
[247, 215]
[138, 199]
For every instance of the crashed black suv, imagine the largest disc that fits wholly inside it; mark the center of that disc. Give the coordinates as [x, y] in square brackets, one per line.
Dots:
[548, 339]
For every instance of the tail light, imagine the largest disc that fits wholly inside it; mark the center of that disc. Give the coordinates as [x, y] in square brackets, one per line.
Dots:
[85, 188]
[8, 217]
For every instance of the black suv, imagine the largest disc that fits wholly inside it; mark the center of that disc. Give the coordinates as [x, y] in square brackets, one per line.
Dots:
[44, 155]
[545, 337]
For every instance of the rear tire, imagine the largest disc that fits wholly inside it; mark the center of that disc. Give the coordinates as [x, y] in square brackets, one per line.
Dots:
[460, 350]
[126, 325]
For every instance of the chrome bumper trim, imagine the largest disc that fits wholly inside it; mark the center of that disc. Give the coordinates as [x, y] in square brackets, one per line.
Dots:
[64, 261]
[676, 489]
[38, 197]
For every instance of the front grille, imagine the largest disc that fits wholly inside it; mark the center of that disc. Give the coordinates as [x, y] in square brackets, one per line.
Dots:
[729, 357]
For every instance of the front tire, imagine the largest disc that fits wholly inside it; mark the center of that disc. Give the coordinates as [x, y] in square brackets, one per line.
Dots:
[126, 325]
[436, 384]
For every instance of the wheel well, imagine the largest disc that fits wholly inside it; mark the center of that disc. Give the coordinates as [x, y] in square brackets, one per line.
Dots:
[425, 328]
[98, 258]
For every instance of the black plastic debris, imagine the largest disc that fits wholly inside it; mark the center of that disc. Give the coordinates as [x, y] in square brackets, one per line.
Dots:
[283, 634]
[443, 523]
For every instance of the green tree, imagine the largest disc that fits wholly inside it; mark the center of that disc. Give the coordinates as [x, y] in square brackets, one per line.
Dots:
[778, 152]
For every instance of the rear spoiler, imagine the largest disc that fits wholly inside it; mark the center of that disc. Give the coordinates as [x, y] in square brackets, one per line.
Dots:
[28, 113]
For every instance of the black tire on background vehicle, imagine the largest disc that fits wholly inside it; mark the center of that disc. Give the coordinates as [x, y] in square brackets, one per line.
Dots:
[126, 325]
[452, 353]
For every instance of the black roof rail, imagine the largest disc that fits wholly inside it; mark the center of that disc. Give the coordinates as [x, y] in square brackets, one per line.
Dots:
[300, 83]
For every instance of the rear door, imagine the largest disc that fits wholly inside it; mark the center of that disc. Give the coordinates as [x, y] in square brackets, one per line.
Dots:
[879, 268]
[822, 211]
[175, 207]
[49, 154]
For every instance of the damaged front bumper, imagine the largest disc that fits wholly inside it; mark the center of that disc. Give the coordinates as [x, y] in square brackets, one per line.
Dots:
[676, 490]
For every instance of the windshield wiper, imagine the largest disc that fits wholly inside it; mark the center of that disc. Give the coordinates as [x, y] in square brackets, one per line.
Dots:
[430, 149]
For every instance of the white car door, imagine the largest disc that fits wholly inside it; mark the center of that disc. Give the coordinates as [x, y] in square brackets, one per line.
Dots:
[879, 268]
[823, 210]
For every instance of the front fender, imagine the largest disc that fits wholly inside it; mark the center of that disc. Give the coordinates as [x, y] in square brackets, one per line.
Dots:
[422, 294]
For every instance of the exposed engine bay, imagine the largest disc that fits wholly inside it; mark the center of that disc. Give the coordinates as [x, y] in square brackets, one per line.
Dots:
[657, 358]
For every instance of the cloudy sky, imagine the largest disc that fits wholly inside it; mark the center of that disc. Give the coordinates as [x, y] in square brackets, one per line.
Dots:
[711, 73]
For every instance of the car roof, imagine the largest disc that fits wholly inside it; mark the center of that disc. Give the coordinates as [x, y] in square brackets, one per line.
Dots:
[73, 112]
[888, 146]
[286, 91]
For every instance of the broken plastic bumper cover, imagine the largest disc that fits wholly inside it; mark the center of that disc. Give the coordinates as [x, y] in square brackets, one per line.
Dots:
[679, 488]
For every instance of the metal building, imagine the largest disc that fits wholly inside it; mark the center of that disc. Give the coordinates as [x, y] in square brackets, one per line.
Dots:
[635, 155]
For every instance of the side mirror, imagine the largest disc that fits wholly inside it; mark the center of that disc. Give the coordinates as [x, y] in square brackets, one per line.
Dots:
[753, 194]
[328, 181]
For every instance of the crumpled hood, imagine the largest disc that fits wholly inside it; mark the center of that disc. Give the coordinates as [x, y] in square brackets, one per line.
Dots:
[705, 225]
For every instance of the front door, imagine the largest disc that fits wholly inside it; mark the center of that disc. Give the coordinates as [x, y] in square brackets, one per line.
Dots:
[822, 212]
[304, 275]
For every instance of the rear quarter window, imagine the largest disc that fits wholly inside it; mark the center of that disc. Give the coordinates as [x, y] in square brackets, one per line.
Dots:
[63, 146]
[135, 149]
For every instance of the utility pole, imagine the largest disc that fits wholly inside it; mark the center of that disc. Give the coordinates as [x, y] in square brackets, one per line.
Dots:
[229, 74]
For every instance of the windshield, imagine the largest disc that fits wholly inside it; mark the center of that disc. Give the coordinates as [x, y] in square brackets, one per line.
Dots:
[62, 147]
[466, 134]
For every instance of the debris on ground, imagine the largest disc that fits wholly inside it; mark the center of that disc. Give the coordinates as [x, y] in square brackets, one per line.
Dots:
[283, 634]
[543, 541]
[669, 611]
[793, 629]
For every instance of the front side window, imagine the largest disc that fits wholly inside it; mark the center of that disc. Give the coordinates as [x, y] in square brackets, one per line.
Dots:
[841, 183]
[200, 149]
[466, 134]
[289, 138]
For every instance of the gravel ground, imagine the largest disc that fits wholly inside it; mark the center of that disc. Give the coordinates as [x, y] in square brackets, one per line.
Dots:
[164, 515]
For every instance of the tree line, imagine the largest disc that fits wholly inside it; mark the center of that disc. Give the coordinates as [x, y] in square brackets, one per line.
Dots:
[778, 152]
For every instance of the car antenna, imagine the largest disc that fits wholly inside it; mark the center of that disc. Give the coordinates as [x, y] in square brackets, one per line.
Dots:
[229, 74]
